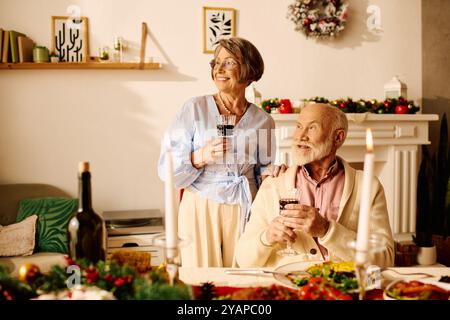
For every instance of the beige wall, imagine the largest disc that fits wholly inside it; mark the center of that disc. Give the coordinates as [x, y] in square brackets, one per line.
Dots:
[52, 119]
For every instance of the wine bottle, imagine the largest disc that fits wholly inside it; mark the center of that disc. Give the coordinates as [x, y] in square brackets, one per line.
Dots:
[86, 230]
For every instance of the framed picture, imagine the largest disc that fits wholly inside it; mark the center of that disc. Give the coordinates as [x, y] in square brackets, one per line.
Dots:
[218, 23]
[70, 38]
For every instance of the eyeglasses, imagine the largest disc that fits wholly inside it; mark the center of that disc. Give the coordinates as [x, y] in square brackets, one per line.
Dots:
[227, 64]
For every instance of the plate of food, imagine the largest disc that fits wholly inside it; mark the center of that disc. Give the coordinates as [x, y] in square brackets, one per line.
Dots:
[422, 289]
[288, 272]
[340, 275]
[338, 272]
[322, 280]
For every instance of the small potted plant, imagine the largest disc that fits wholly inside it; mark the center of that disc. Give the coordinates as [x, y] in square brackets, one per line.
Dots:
[54, 57]
[103, 54]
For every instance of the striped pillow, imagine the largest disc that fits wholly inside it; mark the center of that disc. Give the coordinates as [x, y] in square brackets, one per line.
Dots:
[53, 217]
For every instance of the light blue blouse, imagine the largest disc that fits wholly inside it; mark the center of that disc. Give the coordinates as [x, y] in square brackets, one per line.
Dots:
[235, 179]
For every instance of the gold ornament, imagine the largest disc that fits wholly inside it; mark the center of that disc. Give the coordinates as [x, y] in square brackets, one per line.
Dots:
[161, 270]
[28, 272]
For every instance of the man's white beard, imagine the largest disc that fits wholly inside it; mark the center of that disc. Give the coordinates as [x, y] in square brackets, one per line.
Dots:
[316, 152]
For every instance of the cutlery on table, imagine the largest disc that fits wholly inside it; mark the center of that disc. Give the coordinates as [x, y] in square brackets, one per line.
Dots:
[424, 274]
[262, 272]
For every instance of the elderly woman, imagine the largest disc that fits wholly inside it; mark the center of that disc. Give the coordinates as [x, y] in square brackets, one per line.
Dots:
[220, 175]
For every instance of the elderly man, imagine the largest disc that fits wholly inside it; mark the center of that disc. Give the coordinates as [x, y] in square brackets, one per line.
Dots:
[325, 221]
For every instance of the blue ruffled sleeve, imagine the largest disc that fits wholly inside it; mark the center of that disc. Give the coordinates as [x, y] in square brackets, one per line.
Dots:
[178, 138]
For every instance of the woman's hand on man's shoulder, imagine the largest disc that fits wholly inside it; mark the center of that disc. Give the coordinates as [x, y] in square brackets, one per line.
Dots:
[273, 171]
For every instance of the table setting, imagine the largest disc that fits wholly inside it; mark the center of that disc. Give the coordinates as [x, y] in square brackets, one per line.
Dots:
[234, 279]
[348, 280]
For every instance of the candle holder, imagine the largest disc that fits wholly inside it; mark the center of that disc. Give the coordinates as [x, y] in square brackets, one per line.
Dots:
[376, 244]
[171, 255]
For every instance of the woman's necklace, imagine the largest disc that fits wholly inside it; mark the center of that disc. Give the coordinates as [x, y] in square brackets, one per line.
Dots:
[223, 104]
[228, 110]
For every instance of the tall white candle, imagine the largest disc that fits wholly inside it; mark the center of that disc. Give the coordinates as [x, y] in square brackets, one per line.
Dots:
[171, 222]
[362, 240]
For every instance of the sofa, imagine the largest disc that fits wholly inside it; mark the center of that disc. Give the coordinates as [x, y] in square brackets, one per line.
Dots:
[10, 195]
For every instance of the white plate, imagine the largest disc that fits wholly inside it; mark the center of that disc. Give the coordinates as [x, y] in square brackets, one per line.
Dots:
[294, 266]
[443, 285]
[373, 276]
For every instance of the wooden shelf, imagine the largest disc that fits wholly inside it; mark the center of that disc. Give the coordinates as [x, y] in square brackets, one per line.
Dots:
[81, 65]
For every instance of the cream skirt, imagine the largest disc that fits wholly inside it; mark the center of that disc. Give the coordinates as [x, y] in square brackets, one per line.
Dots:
[212, 228]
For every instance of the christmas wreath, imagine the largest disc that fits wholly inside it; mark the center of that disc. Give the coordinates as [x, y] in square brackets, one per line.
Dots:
[319, 18]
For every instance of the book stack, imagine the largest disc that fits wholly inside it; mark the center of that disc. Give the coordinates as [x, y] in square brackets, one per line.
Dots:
[15, 47]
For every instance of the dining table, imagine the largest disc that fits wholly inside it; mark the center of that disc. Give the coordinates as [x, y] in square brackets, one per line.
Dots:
[221, 278]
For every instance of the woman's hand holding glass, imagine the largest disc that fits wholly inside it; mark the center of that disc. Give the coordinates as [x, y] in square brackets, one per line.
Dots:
[213, 151]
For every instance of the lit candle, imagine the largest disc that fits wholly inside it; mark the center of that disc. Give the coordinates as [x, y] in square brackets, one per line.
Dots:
[171, 223]
[362, 239]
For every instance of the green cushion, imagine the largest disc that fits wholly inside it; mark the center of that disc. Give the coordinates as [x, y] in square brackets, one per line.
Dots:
[53, 217]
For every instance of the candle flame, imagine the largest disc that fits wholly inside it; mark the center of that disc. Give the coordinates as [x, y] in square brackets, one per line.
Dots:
[369, 140]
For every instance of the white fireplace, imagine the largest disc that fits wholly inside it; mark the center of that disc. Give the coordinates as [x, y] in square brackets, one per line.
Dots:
[397, 140]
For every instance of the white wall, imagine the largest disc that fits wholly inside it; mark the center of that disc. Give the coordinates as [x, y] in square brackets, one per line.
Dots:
[52, 119]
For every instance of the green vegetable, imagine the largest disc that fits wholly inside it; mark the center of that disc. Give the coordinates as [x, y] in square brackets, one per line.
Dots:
[343, 281]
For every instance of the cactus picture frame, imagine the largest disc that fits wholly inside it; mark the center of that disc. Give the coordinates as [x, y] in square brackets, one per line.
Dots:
[70, 38]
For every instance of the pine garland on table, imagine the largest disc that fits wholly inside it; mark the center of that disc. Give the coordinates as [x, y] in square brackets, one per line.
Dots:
[14, 289]
[124, 282]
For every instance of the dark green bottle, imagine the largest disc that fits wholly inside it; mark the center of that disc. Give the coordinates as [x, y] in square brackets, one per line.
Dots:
[86, 230]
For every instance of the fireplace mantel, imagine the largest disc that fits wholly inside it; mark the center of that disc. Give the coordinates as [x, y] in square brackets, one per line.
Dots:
[396, 144]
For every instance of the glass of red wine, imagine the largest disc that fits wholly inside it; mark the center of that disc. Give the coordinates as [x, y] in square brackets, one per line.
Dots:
[225, 125]
[288, 197]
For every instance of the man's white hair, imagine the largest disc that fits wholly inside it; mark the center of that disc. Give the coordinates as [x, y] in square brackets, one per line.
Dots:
[336, 117]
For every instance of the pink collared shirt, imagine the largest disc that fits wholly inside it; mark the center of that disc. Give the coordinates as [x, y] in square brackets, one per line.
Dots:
[324, 195]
